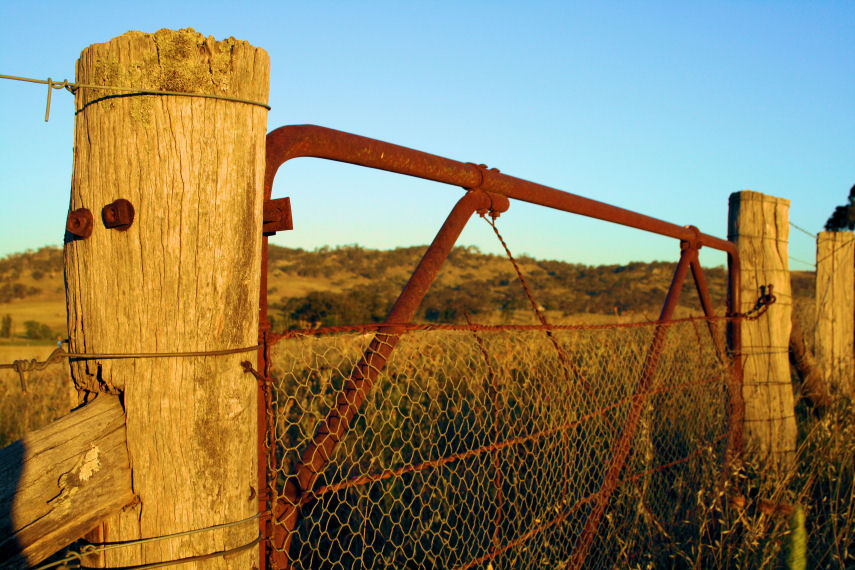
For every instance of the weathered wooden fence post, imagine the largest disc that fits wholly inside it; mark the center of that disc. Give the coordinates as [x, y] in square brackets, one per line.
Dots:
[835, 310]
[759, 226]
[183, 277]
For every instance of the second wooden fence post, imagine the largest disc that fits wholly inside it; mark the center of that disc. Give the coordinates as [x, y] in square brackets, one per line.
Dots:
[835, 310]
[759, 226]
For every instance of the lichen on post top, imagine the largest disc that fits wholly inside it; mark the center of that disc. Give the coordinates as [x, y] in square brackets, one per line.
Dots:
[183, 61]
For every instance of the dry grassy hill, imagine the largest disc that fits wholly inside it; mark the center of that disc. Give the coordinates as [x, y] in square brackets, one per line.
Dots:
[352, 284]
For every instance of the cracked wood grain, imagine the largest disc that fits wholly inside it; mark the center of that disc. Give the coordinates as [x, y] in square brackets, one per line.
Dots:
[184, 277]
[759, 225]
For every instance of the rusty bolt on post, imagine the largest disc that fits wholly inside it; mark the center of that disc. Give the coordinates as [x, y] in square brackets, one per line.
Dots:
[119, 215]
[79, 223]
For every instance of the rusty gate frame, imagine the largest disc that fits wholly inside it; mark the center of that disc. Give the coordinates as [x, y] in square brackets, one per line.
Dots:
[487, 191]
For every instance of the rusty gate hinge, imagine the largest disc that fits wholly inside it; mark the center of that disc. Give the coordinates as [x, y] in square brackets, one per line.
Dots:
[277, 216]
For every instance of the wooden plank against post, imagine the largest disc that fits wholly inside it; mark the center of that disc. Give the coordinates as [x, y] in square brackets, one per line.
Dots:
[835, 310]
[759, 226]
[184, 277]
[58, 482]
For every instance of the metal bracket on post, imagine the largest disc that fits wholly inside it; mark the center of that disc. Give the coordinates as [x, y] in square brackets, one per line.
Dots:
[277, 216]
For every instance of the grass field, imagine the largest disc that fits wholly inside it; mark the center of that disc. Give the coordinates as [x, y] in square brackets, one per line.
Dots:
[50, 395]
[50, 312]
[437, 402]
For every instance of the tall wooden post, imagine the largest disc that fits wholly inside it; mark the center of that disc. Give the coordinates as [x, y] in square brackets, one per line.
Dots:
[183, 277]
[835, 310]
[759, 226]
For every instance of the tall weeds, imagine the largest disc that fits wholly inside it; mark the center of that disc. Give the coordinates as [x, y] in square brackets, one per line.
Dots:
[48, 397]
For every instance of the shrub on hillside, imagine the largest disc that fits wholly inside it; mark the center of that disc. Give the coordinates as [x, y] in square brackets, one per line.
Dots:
[12, 291]
[36, 330]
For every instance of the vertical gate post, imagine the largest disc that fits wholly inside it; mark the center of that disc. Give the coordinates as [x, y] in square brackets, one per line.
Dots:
[182, 277]
[759, 226]
[835, 310]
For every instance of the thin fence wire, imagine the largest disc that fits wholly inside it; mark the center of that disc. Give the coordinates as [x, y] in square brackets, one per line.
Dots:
[473, 449]
[808, 234]
[802, 261]
[804, 231]
[123, 91]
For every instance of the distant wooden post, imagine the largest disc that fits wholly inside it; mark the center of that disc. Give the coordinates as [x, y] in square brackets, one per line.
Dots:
[183, 277]
[759, 226]
[835, 310]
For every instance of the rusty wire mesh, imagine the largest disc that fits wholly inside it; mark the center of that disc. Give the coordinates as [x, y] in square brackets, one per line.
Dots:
[484, 447]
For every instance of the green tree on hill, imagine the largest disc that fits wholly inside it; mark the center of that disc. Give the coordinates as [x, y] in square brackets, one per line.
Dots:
[36, 330]
[6, 326]
[843, 217]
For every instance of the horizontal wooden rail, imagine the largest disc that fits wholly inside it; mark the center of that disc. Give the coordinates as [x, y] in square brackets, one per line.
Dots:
[60, 481]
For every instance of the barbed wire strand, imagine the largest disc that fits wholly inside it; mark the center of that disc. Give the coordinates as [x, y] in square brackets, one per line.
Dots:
[58, 355]
[31, 365]
[427, 327]
[128, 91]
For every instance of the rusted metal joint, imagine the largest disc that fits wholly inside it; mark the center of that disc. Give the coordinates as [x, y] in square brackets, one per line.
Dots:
[694, 242]
[499, 203]
[79, 224]
[482, 174]
[118, 215]
[277, 216]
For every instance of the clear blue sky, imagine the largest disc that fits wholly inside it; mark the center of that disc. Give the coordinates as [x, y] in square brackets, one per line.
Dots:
[661, 107]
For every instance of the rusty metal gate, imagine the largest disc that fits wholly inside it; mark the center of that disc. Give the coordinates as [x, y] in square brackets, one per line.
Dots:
[493, 446]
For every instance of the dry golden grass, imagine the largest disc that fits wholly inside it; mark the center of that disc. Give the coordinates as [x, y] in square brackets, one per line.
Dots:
[50, 312]
[49, 396]
[719, 534]
[11, 352]
[688, 520]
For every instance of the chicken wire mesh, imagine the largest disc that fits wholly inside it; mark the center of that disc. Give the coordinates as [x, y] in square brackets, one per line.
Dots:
[488, 447]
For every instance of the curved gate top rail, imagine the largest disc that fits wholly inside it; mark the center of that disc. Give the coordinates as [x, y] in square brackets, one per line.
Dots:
[487, 189]
[295, 141]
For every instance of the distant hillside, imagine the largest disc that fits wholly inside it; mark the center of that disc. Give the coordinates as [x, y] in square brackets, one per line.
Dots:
[352, 284]
[32, 275]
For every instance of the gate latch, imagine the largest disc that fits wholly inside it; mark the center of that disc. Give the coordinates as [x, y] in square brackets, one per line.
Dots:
[277, 216]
